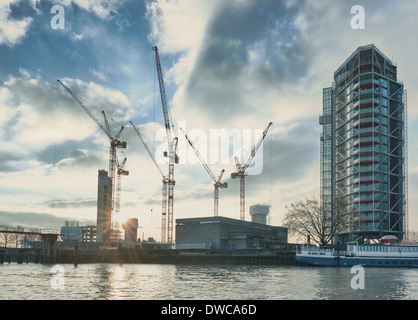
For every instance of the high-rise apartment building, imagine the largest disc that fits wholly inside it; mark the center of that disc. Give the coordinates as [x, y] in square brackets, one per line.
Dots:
[364, 147]
[104, 206]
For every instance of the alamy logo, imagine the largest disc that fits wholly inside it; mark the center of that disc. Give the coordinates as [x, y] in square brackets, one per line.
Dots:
[358, 21]
[58, 21]
[357, 282]
[58, 280]
[221, 146]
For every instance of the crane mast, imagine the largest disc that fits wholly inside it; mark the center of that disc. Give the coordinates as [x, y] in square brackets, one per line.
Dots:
[172, 150]
[218, 185]
[165, 183]
[121, 172]
[241, 171]
[114, 144]
[217, 182]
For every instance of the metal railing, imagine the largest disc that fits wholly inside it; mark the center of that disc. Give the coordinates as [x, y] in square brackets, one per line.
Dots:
[27, 230]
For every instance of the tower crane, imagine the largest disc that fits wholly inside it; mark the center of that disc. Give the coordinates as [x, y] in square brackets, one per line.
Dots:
[165, 184]
[121, 172]
[172, 149]
[114, 142]
[217, 182]
[241, 171]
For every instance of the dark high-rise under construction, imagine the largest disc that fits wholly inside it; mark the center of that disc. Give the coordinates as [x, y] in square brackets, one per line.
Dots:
[104, 206]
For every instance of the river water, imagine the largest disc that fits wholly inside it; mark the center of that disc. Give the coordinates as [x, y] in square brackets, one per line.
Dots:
[208, 282]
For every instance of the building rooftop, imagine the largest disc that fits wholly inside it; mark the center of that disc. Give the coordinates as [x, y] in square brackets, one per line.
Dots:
[363, 48]
[226, 220]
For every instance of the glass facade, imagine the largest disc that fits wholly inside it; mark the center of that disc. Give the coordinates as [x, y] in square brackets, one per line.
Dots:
[326, 151]
[363, 146]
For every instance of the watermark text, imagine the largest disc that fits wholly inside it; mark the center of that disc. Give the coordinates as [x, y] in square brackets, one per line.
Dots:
[357, 281]
[359, 19]
[58, 21]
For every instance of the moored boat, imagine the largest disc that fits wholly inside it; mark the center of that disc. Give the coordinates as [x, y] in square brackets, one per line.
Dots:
[388, 253]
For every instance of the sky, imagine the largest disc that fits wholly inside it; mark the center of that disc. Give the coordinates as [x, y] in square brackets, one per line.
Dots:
[230, 67]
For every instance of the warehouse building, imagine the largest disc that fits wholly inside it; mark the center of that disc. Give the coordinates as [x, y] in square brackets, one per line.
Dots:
[226, 233]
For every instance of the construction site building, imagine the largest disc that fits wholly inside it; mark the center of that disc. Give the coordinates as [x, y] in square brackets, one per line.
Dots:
[104, 206]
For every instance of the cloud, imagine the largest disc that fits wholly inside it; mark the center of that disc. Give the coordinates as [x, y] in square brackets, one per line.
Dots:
[35, 110]
[72, 204]
[51, 141]
[97, 98]
[289, 151]
[76, 36]
[12, 31]
[248, 51]
[178, 26]
[37, 220]
[42, 122]
[79, 160]
[287, 154]
[100, 75]
[248, 63]
[104, 9]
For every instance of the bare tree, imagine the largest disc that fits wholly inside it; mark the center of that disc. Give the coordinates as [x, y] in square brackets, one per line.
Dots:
[15, 238]
[30, 239]
[308, 218]
[5, 236]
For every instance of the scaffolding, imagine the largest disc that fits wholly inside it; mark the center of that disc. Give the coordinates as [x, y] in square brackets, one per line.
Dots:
[369, 146]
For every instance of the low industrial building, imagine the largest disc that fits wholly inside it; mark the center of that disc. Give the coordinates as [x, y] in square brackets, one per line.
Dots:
[70, 233]
[131, 229]
[226, 233]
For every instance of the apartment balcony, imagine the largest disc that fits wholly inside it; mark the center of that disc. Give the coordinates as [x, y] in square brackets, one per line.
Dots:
[376, 187]
[367, 169]
[366, 151]
[365, 142]
[370, 110]
[372, 225]
[366, 123]
[365, 206]
[369, 197]
[371, 206]
[365, 103]
[366, 84]
[367, 93]
[365, 161]
[357, 132]
[369, 83]
[365, 66]
[364, 188]
[357, 200]
[366, 180]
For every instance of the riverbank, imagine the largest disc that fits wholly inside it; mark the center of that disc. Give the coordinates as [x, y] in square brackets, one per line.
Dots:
[160, 256]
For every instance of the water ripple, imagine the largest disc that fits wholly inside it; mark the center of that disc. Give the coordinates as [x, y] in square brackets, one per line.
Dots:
[183, 282]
